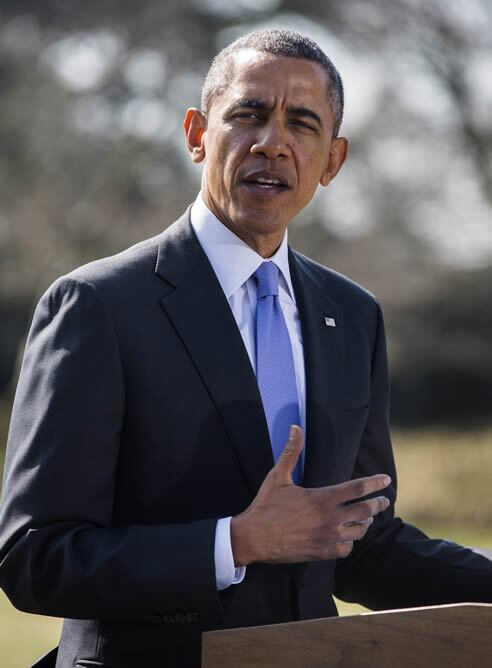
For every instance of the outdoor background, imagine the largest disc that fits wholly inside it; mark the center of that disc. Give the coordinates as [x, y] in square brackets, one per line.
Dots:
[92, 159]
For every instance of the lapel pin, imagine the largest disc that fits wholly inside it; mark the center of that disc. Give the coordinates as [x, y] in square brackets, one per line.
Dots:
[330, 322]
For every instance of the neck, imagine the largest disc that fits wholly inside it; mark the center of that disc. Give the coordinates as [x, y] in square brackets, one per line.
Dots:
[265, 244]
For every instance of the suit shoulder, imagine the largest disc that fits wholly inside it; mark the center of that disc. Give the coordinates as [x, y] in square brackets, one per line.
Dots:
[341, 288]
[133, 260]
[121, 279]
[111, 277]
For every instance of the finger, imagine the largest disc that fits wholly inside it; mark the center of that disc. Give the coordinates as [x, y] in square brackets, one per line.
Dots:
[287, 461]
[344, 549]
[355, 489]
[281, 473]
[365, 510]
[352, 523]
[353, 532]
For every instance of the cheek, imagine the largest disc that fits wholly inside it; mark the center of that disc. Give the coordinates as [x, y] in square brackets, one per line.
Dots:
[310, 169]
[309, 172]
[315, 164]
[231, 159]
[221, 172]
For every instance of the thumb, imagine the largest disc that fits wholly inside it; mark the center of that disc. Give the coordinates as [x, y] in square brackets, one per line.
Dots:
[281, 473]
[287, 461]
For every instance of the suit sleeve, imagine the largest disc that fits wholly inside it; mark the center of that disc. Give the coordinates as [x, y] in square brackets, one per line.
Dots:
[396, 565]
[59, 553]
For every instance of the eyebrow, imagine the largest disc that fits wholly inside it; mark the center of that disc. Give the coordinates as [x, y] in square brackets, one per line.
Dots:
[254, 103]
[304, 111]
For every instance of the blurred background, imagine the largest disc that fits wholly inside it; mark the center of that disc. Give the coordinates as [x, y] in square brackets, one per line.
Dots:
[92, 159]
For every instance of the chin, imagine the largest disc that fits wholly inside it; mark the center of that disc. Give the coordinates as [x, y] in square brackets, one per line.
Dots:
[260, 223]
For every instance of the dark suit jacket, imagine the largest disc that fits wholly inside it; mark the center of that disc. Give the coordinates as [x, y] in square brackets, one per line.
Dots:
[138, 422]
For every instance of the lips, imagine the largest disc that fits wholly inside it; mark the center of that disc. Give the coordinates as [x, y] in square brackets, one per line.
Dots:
[267, 180]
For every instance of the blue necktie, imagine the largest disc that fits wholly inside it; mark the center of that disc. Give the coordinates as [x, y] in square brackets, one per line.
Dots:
[275, 371]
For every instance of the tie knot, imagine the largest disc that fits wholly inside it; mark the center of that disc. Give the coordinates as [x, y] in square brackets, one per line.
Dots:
[267, 279]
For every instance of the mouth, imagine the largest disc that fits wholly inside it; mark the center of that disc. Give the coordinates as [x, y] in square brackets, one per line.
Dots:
[266, 183]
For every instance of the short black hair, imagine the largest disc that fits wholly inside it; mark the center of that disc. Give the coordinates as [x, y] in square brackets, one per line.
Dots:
[279, 43]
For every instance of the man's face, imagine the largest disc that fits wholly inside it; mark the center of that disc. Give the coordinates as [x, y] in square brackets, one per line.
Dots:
[267, 143]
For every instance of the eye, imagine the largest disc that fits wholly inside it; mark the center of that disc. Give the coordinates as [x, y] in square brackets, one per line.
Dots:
[302, 124]
[247, 114]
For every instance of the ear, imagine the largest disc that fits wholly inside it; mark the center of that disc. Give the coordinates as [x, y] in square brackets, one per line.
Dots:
[195, 127]
[337, 156]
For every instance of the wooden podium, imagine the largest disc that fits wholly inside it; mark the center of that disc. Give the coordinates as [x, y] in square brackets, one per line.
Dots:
[447, 636]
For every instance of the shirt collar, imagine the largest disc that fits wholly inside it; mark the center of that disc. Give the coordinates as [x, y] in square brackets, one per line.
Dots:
[231, 258]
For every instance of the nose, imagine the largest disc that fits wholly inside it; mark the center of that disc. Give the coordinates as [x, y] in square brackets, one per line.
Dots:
[271, 142]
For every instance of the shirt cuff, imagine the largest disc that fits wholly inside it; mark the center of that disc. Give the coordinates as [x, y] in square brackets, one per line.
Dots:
[226, 573]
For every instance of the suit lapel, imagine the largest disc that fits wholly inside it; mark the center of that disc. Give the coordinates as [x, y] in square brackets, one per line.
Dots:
[324, 359]
[201, 315]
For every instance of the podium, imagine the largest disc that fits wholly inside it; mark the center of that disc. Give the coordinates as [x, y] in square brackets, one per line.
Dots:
[451, 636]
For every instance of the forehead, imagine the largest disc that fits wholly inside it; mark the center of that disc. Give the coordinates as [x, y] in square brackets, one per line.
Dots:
[295, 80]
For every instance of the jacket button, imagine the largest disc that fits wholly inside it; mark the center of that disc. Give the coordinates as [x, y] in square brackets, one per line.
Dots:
[192, 617]
[180, 617]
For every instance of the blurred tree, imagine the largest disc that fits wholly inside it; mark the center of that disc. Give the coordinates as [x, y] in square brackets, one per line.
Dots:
[92, 159]
[444, 369]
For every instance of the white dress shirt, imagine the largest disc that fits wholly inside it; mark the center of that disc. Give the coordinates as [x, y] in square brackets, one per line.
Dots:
[234, 263]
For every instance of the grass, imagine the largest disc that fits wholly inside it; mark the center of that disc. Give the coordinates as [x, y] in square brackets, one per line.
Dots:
[444, 488]
[445, 478]
[5, 408]
[23, 637]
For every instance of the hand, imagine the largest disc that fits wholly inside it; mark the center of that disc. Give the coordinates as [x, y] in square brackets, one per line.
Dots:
[286, 523]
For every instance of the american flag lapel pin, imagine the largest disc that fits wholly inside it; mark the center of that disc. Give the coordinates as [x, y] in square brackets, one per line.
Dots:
[329, 322]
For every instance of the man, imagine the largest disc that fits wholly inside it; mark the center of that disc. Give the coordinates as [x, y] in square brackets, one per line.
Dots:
[159, 388]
